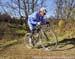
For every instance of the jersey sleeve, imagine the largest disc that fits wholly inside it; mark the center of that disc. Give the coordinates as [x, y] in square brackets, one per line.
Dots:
[43, 20]
[32, 18]
[32, 21]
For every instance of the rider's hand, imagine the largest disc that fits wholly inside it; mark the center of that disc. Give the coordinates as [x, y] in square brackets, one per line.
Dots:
[47, 23]
[38, 23]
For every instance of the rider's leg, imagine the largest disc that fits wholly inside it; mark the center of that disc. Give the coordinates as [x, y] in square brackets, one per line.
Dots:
[30, 37]
[31, 27]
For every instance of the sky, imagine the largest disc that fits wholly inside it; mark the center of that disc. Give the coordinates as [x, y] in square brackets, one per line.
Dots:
[50, 6]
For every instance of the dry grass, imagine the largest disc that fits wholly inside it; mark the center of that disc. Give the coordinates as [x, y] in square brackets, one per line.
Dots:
[65, 49]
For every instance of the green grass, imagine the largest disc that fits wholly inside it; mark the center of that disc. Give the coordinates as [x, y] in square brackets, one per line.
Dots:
[8, 43]
[13, 29]
[19, 31]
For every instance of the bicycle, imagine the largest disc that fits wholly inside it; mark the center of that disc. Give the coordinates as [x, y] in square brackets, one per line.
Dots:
[45, 39]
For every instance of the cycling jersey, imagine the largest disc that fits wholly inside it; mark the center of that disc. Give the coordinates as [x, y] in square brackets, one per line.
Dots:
[34, 18]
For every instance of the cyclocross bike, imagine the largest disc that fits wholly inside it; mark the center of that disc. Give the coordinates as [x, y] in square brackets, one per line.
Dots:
[43, 39]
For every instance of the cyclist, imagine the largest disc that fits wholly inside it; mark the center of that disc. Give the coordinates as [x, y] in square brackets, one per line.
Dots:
[35, 19]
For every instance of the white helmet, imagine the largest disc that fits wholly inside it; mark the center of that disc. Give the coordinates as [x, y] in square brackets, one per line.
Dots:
[42, 9]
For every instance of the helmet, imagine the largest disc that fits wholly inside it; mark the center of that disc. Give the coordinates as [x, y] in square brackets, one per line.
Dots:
[42, 9]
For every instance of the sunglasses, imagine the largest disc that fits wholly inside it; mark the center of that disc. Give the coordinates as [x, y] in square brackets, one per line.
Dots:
[44, 13]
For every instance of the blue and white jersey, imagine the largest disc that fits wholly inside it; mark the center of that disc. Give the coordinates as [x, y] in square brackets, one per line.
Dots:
[34, 18]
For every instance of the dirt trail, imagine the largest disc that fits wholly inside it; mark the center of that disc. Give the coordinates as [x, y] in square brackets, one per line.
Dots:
[19, 51]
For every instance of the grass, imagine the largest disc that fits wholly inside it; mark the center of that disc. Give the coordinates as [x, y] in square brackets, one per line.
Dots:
[14, 31]
[8, 43]
[19, 51]
[10, 32]
[20, 31]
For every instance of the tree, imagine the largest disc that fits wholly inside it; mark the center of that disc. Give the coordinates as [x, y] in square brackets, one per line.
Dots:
[19, 7]
[64, 8]
[59, 4]
[22, 7]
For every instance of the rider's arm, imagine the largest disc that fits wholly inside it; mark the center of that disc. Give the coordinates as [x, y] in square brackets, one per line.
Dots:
[32, 21]
[43, 21]
[33, 18]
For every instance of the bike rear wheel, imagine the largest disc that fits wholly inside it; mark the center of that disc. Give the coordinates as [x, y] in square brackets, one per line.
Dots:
[34, 40]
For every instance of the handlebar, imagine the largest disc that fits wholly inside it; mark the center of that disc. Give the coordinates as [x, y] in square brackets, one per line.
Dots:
[40, 26]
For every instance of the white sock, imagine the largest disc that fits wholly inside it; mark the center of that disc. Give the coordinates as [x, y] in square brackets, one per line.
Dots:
[30, 40]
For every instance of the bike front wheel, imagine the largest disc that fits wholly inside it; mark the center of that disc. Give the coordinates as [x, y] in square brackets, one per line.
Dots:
[48, 40]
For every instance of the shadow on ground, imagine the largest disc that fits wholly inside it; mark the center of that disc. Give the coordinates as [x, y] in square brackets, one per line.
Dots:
[66, 42]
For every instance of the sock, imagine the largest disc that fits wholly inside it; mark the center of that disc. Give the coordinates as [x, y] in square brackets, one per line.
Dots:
[30, 41]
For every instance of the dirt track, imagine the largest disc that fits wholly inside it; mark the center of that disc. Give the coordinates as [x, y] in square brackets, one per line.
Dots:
[19, 51]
